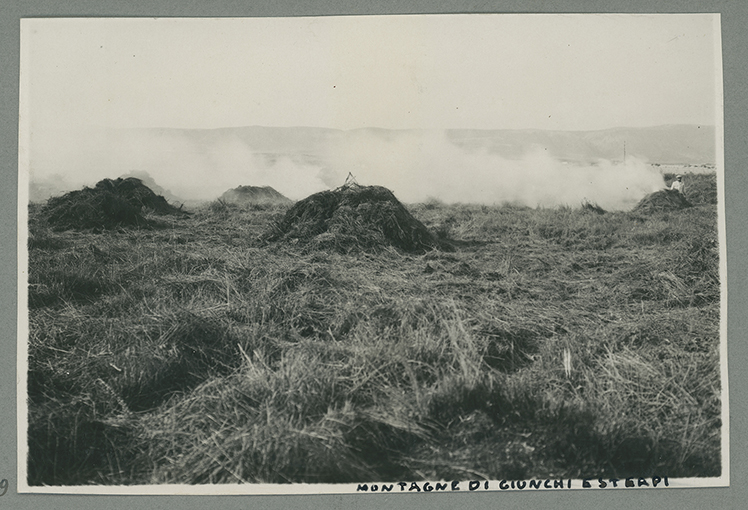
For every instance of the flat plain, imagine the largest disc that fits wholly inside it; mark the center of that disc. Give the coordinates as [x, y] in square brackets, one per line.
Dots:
[545, 343]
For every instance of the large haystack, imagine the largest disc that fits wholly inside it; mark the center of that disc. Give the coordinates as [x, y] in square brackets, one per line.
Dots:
[110, 204]
[255, 195]
[353, 217]
[663, 200]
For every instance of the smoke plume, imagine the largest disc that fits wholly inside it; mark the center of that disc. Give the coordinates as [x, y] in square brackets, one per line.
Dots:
[415, 165]
[419, 166]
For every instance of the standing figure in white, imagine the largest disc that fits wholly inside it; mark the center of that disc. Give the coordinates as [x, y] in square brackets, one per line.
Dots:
[678, 184]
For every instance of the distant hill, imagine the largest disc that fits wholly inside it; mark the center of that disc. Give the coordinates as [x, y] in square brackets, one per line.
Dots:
[671, 144]
[279, 140]
[680, 144]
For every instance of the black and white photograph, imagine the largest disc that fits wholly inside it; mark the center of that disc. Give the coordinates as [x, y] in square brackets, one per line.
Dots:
[371, 254]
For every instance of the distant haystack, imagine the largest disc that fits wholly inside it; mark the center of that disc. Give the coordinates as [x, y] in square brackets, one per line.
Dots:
[353, 217]
[663, 200]
[255, 195]
[110, 204]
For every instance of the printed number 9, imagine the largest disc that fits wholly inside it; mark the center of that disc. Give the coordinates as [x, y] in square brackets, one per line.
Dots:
[3, 487]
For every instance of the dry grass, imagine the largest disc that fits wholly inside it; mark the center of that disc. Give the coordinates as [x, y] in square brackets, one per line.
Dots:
[549, 343]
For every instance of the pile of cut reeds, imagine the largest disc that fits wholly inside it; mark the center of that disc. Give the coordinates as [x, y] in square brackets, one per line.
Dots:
[353, 217]
[109, 204]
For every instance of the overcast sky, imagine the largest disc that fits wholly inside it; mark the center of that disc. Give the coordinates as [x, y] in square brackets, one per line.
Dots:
[576, 72]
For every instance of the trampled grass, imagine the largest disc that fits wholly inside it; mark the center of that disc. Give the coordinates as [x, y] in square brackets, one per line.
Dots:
[195, 352]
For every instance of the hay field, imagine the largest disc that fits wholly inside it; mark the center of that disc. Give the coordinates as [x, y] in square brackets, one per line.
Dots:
[549, 343]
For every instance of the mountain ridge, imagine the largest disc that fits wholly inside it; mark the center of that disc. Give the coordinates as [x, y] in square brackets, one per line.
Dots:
[666, 144]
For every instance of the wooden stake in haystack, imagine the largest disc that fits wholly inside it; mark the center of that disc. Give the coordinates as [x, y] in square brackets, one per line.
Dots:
[350, 181]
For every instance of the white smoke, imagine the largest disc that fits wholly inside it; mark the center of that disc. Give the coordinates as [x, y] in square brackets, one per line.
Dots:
[421, 165]
[187, 166]
[415, 165]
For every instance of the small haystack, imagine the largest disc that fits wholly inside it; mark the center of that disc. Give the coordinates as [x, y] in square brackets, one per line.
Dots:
[109, 204]
[255, 195]
[663, 200]
[353, 217]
